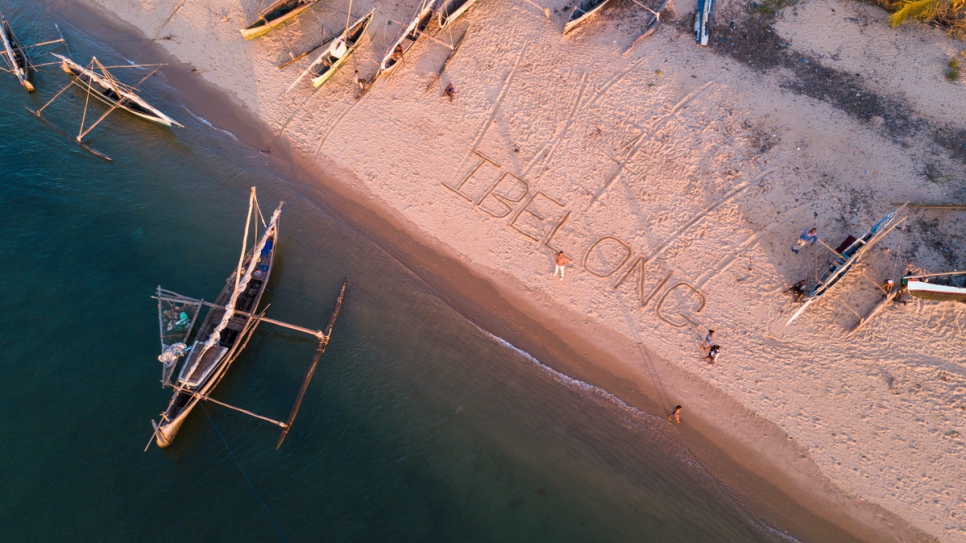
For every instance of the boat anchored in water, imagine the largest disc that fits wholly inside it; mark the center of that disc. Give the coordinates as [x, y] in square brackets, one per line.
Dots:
[225, 331]
[15, 55]
[105, 88]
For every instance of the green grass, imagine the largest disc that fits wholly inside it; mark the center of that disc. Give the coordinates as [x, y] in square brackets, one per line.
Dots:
[953, 70]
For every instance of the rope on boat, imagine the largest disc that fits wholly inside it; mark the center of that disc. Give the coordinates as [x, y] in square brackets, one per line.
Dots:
[252, 485]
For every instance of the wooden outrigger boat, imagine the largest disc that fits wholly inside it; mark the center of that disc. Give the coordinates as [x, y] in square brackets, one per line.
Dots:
[847, 255]
[408, 38]
[15, 55]
[336, 53]
[940, 287]
[105, 88]
[224, 333]
[112, 92]
[582, 11]
[276, 15]
[450, 10]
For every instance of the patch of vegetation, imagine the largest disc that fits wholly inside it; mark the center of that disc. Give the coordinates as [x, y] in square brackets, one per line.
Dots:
[952, 70]
[768, 8]
[948, 14]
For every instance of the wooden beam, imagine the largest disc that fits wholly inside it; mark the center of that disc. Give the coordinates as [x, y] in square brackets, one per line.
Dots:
[936, 206]
[179, 298]
[323, 343]
[239, 409]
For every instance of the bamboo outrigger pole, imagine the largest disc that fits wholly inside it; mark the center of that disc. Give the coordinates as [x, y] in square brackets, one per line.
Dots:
[323, 343]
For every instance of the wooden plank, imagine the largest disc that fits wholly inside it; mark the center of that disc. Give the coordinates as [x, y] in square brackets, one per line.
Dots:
[936, 206]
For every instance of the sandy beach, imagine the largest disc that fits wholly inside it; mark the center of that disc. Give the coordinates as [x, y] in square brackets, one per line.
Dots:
[677, 178]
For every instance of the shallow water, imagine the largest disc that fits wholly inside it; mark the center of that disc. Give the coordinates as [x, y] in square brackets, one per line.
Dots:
[418, 425]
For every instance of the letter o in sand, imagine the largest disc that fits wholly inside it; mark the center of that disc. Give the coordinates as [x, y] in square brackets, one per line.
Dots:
[620, 246]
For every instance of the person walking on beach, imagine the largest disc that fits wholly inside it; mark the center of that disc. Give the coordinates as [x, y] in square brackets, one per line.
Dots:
[675, 415]
[560, 260]
[807, 237]
[360, 81]
[449, 91]
[708, 340]
[713, 354]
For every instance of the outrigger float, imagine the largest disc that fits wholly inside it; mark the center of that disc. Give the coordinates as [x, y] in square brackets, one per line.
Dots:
[225, 331]
[106, 88]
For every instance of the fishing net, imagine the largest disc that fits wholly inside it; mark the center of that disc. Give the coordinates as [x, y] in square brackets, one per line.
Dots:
[177, 317]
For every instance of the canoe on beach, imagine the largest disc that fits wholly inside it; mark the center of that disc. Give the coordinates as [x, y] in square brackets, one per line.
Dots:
[112, 92]
[451, 9]
[409, 38]
[338, 51]
[16, 56]
[847, 254]
[275, 15]
[940, 287]
[583, 10]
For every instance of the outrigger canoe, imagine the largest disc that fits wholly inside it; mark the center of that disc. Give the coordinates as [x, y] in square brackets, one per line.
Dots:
[275, 15]
[408, 39]
[16, 56]
[339, 50]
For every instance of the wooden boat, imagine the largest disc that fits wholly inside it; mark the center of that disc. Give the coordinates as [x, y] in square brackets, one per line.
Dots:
[847, 254]
[219, 338]
[16, 56]
[338, 51]
[275, 15]
[450, 10]
[112, 92]
[582, 11]
[939, 287]
[408, 38]
[702, 20]
[224, 332]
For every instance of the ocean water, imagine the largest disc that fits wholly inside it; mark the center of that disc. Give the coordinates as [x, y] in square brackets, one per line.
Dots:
[418, 425]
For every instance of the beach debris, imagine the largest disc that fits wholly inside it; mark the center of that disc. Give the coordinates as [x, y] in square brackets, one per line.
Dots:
[702, 21]
[225, 331]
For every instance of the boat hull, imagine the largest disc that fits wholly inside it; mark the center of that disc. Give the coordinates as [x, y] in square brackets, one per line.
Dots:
[259, 31]
[413, 32]
[97, 93]
[934, 292]
[354, 33]
[450, 11]
[190, 390]
[576, 19]
[19, 62]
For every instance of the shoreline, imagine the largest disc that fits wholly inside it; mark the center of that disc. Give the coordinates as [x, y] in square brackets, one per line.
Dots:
[558, 338]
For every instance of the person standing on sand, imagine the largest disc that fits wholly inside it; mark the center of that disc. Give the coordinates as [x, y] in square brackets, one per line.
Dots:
[807, 237]
[675, 415]
[708, 340]
[449, 91]
[797, 290]
[713, 354]
[360, 81]
[560, 260]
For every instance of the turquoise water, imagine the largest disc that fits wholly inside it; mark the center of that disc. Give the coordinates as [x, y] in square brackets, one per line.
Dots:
[418, 425]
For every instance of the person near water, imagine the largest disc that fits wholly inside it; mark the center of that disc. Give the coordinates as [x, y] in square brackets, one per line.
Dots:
[675, 415]
[560, 261]
[713, 354]
[807, 237]
[708, 340]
